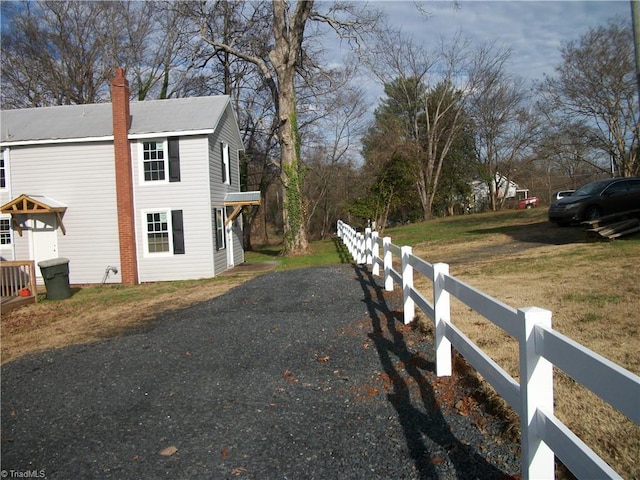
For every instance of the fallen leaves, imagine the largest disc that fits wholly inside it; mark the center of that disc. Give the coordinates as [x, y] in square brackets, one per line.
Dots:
[167, 452]
[362, 392]
[289, 376]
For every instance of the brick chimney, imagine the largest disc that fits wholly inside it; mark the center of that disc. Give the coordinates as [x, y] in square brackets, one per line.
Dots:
[124, 178]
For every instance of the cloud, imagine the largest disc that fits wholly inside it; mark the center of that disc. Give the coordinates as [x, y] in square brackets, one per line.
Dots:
[533, 30]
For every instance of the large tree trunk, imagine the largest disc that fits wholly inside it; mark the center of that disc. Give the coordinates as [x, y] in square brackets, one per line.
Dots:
[288, 34]
[295, 234]
[288, 21]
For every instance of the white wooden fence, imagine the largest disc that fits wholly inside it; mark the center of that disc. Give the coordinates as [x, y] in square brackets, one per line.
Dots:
[541, 347]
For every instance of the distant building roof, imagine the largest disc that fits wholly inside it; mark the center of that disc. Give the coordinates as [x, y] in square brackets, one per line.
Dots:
[93, 121]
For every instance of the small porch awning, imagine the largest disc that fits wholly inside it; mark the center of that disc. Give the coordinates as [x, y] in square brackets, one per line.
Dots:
[34, 204]
[239, 200]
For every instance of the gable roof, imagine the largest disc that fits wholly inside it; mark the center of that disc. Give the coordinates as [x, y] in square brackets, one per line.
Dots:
[26, 204]
[93, 122]
[33, 204]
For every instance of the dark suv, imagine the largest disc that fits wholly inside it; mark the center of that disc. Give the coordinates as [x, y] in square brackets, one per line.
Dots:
[597, 199]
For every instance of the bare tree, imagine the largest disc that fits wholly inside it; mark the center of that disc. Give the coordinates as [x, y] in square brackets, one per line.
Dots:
[331, 155]
[53, 53]
[449, 75]
[280, 64]
[260, 163]
[278, 68]
[506, 127]
[56, 53]
[157, 47]
[566, 160]
[596, 84]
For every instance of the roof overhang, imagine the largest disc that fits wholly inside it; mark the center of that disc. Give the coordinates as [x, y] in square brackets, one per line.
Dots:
[34, 204]
[239, 200]
[50, 141]
[177, 133]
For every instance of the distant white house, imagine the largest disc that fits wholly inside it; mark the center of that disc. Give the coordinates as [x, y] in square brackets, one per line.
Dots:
[148, 189]
[505, 189]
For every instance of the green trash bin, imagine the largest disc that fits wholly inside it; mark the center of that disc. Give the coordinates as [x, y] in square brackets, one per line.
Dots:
[55, 273]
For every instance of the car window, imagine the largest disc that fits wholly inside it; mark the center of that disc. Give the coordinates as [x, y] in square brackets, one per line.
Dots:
[617, 187]
[589, 189]
[634, 185]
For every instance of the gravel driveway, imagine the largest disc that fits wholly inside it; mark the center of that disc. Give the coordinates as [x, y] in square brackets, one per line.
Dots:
[303, 374]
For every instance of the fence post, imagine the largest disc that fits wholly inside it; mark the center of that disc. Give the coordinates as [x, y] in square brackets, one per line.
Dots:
[352, 243]
[375, 254]
[358, 252]
[536, 390]
[386, 263]
[367, 245]
[407, 285]
[441, 315]
[346, 237]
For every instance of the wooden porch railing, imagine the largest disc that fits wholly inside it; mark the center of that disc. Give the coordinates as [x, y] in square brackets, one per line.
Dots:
[17, 283]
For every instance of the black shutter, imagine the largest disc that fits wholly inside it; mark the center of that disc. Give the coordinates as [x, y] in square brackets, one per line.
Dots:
[178, 232]
[174, 160]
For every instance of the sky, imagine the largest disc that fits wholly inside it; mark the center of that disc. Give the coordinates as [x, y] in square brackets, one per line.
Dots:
[534, 30]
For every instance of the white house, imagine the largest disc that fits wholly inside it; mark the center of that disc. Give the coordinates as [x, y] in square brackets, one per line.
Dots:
[505, 188]
[148, 189]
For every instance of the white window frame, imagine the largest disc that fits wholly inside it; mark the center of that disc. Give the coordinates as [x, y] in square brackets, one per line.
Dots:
[9, 231]
[226, 163]
[145, 233]
[5, 168]
[141, 161]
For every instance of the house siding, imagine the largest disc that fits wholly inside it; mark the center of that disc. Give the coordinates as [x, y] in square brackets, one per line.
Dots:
[226, 132]
[191, 195]
[81, 172]
[238, 250]
[81, 176]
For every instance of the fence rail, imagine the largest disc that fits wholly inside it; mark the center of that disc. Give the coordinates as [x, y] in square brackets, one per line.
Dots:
[540, 348]
[17, 283]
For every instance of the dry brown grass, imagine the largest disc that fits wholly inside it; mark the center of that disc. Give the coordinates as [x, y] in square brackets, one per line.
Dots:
[593, 291]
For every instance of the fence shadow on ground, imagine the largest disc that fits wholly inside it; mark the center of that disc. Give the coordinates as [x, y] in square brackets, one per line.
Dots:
[422, 422]
[342, 250]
